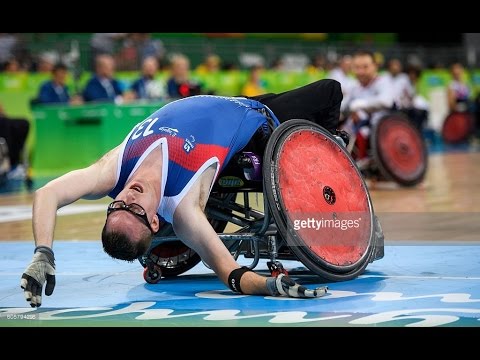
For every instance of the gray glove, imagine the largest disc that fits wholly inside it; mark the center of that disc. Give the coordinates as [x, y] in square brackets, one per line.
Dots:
[285, 286]
[40, 270]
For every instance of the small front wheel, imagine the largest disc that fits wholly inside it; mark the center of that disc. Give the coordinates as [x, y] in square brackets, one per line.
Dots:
[152, 276]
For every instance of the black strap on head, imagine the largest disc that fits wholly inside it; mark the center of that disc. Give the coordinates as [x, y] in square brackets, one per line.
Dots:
[234, 279]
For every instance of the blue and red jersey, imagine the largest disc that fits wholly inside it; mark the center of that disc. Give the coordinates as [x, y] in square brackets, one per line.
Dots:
[194, 133]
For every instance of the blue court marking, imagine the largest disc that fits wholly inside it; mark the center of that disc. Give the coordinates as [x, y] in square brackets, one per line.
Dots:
[414, 285]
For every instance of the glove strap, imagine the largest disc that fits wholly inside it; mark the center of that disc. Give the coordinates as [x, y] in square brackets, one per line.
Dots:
[48, 252]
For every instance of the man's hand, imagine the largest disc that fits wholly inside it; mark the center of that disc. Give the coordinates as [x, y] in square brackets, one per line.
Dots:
[40, 270]
[283, 285]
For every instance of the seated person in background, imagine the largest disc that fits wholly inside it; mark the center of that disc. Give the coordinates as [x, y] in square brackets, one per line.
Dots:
[458, 91]
[46, 62]
[367, 102]
[403, 91]
[419, 107]
[15, 132]
[147, 87]
[342, 72]
[180, 85]
[209, 66]
[254, 85]
[102, 86]
[55, 91]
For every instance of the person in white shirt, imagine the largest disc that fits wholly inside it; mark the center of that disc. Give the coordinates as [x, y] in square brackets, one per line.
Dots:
[367, 102]
[342, 72]
[403, 90]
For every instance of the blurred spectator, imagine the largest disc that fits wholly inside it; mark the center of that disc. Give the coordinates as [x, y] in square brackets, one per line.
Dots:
[366, 103]
[102, 86]
[277, 65]
[12, 66]
[458, 92]
[47, 61]
[403, 90]
[8, 45]
[254, 85]
[180, 85]
[318, 64]
[15, 132]
[55, 91]
[147, 87]
[419, 109]
[210, 65]
[343, 74]
[136, 48]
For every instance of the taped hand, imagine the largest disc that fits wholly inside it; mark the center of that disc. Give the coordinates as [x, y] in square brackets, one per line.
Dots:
[285, 286]
[40, 270]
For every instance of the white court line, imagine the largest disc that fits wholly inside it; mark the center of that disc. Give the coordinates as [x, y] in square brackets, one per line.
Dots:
[24, 212]
[360, 277]
[421, 277]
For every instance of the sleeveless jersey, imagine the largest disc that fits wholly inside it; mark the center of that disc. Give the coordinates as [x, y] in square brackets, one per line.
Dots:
[194, 133]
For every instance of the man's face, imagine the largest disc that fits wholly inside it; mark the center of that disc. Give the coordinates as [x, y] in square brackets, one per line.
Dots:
[106, 67]
[126, 221]
[457, 72]
[395, 67]
[364, 69]
[150, 67]
[180, 69]
[60, 76]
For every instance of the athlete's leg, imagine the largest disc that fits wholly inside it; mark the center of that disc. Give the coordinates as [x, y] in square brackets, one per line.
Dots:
[318, 102]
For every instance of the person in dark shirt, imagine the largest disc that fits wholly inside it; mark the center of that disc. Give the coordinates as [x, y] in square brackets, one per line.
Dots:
[102, 86]
[180, 85]
[147, 87]
[55, 90]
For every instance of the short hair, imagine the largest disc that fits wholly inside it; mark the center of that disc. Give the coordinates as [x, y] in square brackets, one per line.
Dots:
[119, 245]
[365, 53]
[59, 66]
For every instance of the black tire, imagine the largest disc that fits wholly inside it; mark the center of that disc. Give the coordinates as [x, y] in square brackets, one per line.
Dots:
[192, 258]
[388, 170]
[304, 254]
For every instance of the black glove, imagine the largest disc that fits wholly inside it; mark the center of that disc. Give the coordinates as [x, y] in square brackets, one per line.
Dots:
[343, 135]
[285, 286]
[41, 269]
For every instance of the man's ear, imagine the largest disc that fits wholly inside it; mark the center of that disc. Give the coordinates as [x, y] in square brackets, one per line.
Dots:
[155, 223]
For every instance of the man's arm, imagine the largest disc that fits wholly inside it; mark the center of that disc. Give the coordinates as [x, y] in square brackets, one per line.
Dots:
[191, 225]
[90, 183]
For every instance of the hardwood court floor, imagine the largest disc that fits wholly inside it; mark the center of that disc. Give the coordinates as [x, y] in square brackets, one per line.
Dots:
[446, 206]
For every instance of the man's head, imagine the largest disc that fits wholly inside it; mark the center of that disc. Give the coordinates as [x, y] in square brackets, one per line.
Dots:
[59, 74]
[149, 67]
[394, 67]
[364, 67]
[104, 66]
[180, 68]
[131, 222]
[346, 64]
[457, 71]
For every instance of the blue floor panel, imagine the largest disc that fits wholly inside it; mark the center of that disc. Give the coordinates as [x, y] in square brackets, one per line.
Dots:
[414, 285]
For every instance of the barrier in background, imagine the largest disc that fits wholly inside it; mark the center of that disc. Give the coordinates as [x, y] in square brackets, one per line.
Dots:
[69, 138]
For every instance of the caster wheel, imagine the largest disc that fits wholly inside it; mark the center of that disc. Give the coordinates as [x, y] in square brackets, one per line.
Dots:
[152, 277]
[276, 268]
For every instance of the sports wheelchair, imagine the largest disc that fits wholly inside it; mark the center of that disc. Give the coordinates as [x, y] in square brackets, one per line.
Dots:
[316, 209]
[396, 151]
